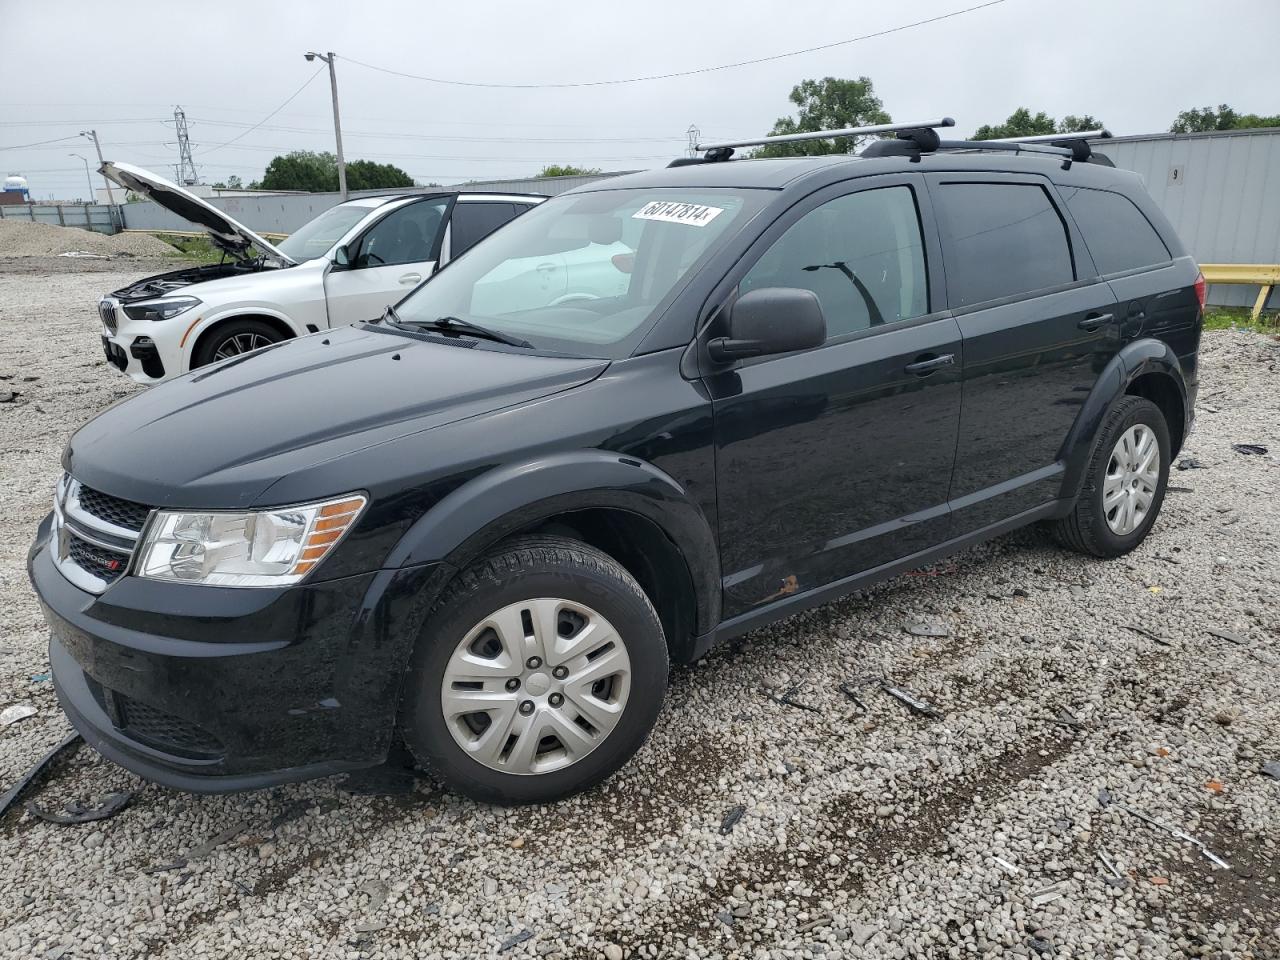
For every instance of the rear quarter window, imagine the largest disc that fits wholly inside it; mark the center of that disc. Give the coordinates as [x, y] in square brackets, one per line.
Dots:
[1116, 232]
[1001, 240]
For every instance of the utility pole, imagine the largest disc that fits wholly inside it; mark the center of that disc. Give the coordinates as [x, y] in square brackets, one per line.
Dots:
[111, 194]
[337, 123]
[186, 168]
[88, 178]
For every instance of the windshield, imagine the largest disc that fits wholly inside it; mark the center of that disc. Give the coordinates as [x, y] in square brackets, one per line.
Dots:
[315, 239]
[583, 273]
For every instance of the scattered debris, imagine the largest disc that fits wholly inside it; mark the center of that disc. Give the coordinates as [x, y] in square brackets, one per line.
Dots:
[1046, 895]
[1147, 633]
[1068, 719]
[1180, 834]
[8, 396]
[1160, 881]
[217, 840]
[514, 939]
[1173, 489]
[1106, 862]
[731, 819]
[848, 691]
[111, 804]
[1005, 865]
[787, 699]
[1227, 635]
[372, 926]
[40, 678]
[1173, 560]
[177, 864]
[913, 703]
[1213, 786]
[84, 255]
[19, 711]
[292, 811]
[34, 771]
[725, 917]
[926, 630]
[1190, 463]
[815, 923]
[1104, 798]
[1271, 769]
[1249, 449]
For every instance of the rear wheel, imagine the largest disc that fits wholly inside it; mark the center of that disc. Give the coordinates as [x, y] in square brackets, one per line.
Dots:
[1125, 483]
[538, 674]
[235, 338]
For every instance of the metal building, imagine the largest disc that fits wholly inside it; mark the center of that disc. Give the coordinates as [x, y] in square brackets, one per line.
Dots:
[1221, 190]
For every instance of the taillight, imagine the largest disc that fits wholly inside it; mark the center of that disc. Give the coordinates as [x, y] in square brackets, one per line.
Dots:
[1200, 289]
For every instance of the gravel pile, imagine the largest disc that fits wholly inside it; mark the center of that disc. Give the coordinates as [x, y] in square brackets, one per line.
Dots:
[788, 805]
[19, 239]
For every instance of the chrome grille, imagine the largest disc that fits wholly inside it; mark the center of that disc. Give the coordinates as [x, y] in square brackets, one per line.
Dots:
[94, 534]
[107, 310]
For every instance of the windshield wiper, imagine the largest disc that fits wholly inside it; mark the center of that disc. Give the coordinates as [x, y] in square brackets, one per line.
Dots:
[458, 325]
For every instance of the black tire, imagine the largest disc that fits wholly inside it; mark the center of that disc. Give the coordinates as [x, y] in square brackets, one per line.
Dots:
[211, 343]
[527, 568]
[1085, 529]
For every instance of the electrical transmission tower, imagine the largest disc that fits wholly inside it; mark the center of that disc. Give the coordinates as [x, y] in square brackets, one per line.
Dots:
[185, 168]
[694, 134]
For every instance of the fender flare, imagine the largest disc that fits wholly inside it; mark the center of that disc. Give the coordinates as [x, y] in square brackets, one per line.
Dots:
[1134, 360]
[516, 496]
[187, 345]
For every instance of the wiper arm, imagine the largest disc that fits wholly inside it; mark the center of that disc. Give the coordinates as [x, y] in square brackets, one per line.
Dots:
[458, 325]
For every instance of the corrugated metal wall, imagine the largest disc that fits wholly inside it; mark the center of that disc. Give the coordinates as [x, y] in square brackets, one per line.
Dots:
[1220, 190]
[88, 216]
[284, 213]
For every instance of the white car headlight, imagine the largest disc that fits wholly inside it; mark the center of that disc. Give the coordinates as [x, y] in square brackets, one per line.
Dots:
[256, 548]
[162, 309]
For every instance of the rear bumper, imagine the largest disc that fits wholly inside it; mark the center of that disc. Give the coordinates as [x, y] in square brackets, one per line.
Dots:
[218, 689]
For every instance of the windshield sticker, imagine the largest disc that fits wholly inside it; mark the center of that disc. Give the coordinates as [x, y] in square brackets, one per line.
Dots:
[669, 211]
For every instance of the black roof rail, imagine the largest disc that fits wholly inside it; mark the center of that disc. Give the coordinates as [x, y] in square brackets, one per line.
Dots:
[718, 152]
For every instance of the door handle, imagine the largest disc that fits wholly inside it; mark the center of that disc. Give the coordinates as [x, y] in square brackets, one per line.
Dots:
[411, 278]
[1095, 320]
[927, 364]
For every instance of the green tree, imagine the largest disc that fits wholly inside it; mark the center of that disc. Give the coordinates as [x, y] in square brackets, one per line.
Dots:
[1021, 123]
[302, 170]
[1073, 124]
[231, 183]
[367, 175]
[318, 173]
[566, 170]
[826, 104]
[1206, 119]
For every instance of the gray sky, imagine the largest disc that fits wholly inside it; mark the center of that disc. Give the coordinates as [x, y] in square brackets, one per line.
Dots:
[1132, 63]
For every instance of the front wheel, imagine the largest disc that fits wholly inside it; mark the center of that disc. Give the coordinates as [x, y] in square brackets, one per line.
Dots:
[234, 338]
[538, 674]
[1124, 485]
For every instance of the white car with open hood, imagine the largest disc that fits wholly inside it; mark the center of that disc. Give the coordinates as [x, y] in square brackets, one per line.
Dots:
[346, 265]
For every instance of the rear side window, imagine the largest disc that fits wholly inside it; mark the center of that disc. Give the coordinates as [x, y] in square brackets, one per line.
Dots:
[1001, 240]
[861, 254]
[1115, 230]
[472, 222]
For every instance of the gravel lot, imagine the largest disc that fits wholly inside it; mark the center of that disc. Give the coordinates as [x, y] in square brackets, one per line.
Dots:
[861, 834]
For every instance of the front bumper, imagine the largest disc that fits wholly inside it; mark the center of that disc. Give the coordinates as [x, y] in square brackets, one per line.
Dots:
[146, 351]
[212, 689]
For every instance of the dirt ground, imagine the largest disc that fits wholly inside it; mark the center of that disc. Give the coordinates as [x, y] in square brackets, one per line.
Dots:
[788, 805]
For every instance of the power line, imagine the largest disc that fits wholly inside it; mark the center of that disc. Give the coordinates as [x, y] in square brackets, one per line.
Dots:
[219, 146]
[38, 143]
[680, 73]
[388, 135]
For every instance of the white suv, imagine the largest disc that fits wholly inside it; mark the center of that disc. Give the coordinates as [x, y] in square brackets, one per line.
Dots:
[346, 265]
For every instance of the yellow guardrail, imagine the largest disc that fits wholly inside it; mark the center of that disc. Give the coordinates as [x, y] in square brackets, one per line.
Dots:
[1264, 275]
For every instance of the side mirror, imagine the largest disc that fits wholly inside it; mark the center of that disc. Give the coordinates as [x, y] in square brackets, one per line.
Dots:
[771, 320]
[342, 258]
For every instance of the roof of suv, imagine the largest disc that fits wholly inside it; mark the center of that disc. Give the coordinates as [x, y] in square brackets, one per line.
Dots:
[777, 174]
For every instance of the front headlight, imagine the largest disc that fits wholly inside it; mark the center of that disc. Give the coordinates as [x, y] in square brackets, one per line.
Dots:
[258, 548]
[161, 309]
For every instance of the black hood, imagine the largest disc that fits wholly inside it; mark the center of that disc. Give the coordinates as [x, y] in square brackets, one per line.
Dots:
[219, 437]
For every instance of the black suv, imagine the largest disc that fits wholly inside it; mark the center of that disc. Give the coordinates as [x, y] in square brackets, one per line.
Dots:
[650, 414]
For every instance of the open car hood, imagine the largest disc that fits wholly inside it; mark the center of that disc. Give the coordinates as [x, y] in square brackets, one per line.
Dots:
[229, 235]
